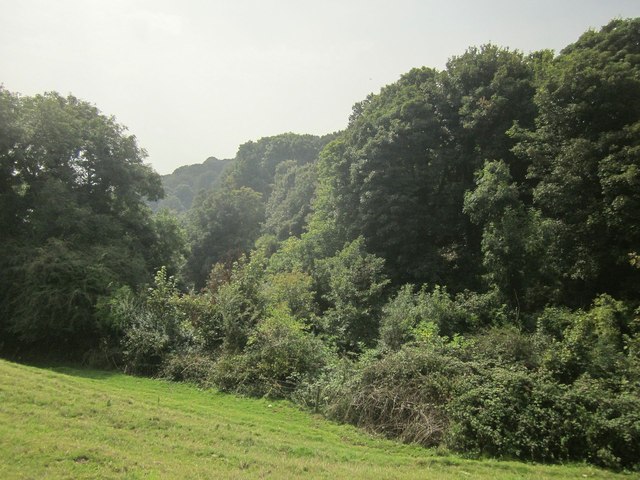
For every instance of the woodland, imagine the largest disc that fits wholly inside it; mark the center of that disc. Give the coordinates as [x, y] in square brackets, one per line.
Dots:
[458, 268]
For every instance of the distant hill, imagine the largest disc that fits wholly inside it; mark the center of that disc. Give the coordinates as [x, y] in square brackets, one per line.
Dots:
[185, 182]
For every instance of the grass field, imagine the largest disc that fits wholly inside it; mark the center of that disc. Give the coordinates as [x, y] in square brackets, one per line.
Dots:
[72, 423]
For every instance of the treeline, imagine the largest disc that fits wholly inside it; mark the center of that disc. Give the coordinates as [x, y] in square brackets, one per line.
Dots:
[459, 267]
[182, 186]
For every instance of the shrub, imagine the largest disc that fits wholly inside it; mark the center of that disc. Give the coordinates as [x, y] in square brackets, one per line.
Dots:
[594, 342]
[278, 354]
[514, 412]
[507, 346]
[153, 326]
[329, 391]
[188, 366]
[402, 395]
[293, 291]
[399, 318]
[409, 315]
[145, 344]
[240, 304]
[355, 292]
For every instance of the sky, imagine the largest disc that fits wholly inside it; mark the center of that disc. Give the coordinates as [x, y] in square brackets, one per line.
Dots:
[195, 78]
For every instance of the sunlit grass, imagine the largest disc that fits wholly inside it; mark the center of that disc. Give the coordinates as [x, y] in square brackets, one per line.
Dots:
[70, 423]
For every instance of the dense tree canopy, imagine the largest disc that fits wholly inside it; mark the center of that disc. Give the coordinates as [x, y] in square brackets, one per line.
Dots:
[584, 158]
[74, 218]
[224, 224]
[398, 174]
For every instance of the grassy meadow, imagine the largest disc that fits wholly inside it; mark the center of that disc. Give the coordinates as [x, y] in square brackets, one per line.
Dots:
[75, 423]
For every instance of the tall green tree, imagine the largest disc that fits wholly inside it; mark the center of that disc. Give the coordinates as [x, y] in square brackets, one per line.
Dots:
[256, 162]
[74, 217]
[516, 239]
[585, 157]
[398, 174]
[289, 204]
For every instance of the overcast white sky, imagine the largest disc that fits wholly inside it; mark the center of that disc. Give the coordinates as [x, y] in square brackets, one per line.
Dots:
[196, 78]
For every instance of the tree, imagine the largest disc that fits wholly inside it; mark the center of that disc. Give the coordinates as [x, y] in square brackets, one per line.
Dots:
[223, 225]
[256, 162]
[398, 174]
[584, 156]
[289, 204]
[356, 289]
[74, 217]
[515, 239]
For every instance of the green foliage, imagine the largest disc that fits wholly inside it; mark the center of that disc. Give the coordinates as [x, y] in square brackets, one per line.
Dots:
[400, 316]
[516, 413]
[289, 204]
[515, 239]
[495, 192]
[239, 303]
[151, 327]
[509, 412]
[191, 366]
[583, 156]
[593, 342]
[201, 314]
[224, 225]
[278, 354]
[398, 174]
[169, 247]
[160, 329]
[74, 221]
[355, 292]
[51, 292]
[414, 316]
[294, 293]
[185, 183]
[256, 162]
[508, 346]
[402, 395]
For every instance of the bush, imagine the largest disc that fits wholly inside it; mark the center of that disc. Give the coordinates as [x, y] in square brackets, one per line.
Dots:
[507, 346]
[240, 304]
[400, 316]
[145, 344]
[188, 366]
[278, 355]
[409, 315]
[329, 391]
[595, 341]
[356, 286]
[150, 328]
[200, 314]
[294, 292]
[402, 395]
[513, 412]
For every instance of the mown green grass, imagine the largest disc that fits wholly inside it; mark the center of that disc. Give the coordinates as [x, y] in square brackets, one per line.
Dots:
[72, 423]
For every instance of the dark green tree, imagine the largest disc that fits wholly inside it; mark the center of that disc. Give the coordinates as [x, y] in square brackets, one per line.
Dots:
[584, 154]
[289, 204]
[256, 162]
[74, 218]
[223, 225]
[398, 174]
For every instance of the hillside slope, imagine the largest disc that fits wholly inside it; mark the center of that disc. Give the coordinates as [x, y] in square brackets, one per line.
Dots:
[182, 186]
[68, 423]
